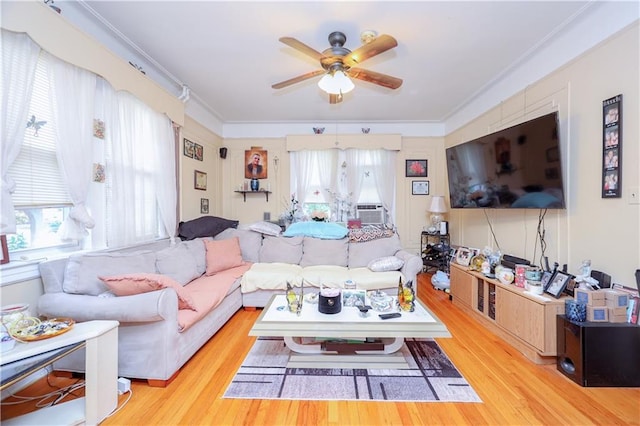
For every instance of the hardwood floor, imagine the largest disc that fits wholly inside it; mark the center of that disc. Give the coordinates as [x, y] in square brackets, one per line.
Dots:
[514, 391]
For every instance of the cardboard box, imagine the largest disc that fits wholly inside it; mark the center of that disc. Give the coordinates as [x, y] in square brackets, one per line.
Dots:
[616, 299]
[597, 313]
[614, 312]
[618, 318]
[590, 297]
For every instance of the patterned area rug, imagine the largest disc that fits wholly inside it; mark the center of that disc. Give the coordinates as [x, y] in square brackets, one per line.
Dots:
[431, 377]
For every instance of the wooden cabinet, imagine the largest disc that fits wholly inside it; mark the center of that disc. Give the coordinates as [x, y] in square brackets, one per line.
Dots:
[525, 321]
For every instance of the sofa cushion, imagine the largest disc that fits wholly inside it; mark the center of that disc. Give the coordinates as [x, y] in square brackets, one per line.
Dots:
[178, 263]
[250, 242]
[82, 271]
[223, 255]
[360, 254]
[366, 279]
[199, 253]
[316, 251]
[387, 263]
[130, 284]
[266, 228]
[270, 276]
[205, 226]
[281, 249]
[326, 275]
[326, 230]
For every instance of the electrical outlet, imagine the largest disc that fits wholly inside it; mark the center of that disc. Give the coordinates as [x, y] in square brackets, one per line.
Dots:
[124, 385]
[634, 195]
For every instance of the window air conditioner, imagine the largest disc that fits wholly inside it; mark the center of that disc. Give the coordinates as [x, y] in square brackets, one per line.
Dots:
[370, 213]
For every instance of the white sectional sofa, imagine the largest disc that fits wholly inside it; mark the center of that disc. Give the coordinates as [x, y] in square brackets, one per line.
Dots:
[169, 305]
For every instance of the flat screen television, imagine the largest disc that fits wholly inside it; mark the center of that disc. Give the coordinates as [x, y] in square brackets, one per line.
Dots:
[517, 167]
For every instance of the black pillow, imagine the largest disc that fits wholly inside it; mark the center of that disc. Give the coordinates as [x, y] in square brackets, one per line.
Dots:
[205, 226]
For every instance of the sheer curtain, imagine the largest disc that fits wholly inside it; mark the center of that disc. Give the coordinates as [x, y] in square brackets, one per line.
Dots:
[73, 99]
[327, 163]
[302, 168]
[19, 60]
[165, 172]
[385, 162]
[357, 161]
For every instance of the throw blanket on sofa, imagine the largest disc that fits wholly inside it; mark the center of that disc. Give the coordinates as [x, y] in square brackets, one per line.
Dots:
[207, 292]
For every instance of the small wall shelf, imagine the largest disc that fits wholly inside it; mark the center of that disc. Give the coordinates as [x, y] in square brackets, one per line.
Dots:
[244, 194]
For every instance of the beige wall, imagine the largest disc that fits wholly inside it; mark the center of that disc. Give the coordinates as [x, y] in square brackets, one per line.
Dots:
[189, 197]
[607, 231]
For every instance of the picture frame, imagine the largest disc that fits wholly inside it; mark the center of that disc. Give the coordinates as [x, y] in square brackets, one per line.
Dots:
[353, 297]
[546, 276]
[198, 152]
[420, 187]
[569, 290]
[463, 256]
[557, 283]
[261, 164]
[5, 250]
[188, 148]
[612, 147]
[199, 180]
[204, 205]
[415, 168]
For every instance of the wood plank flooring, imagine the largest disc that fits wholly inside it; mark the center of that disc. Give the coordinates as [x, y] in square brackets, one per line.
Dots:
[514, 390]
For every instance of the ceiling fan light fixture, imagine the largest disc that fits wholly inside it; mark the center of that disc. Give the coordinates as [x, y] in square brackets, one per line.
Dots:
[336, 83]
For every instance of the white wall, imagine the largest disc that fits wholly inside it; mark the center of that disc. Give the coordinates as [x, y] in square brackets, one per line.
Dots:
[607, 231]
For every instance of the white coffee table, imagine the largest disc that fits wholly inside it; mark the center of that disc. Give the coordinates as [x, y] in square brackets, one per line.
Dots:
[300, 331]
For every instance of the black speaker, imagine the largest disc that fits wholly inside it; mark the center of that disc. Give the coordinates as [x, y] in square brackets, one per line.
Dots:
[223, 152]
[599, 353]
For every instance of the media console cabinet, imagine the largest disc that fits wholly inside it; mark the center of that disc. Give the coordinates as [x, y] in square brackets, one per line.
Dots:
[526, 321]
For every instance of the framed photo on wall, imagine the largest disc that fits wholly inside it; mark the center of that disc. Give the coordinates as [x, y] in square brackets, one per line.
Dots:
[612, 147]
[204, 205]
[4, 253]
[188, 148]
[199, 180]
[415, 168]
[256, 163]
[420, 187]
[198, 152]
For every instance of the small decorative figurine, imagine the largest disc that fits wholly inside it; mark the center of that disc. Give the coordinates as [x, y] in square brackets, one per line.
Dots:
[406, 296]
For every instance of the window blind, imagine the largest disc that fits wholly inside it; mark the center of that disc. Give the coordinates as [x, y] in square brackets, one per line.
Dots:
[38, 179]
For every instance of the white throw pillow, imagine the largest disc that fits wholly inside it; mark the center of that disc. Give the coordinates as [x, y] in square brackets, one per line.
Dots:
[266, 228]
[387, 263]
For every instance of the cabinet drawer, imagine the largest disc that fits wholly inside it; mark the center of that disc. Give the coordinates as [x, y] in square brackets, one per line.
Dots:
[521, 317]
[462, 286]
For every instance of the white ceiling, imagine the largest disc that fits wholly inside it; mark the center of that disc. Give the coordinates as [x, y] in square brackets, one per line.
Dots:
[229, 55]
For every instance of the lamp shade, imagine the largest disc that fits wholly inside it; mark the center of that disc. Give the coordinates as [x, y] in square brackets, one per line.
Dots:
[336, 83]
[437, 204]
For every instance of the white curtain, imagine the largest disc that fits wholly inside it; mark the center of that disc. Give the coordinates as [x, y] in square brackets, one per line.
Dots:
[384, 176]
[302, 167]
[19, 60]
[165, 172]
[137, 182]
[72, 103]
[327, 163]
[358, 161]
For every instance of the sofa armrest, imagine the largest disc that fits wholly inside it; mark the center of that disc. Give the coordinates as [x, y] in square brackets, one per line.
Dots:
[412, 266]
[146, 307]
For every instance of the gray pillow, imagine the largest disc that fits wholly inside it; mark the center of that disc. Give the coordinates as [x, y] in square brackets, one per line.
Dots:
[205, 226]
[82, 271]
[250, 242]
[266, 228]
[199, 253]
[360, 254]
[281, 249]
[317, 251]
[178, 262]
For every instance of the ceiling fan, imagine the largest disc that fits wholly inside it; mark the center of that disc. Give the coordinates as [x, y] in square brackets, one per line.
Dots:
[338, 64]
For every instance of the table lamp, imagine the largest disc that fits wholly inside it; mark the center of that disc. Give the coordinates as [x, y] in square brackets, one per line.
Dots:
[437, 208]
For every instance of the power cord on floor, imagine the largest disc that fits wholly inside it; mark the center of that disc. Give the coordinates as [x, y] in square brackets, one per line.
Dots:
[45, 400]
[130, 392]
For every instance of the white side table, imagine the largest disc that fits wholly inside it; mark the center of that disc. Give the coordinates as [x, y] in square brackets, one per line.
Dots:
[101, 374]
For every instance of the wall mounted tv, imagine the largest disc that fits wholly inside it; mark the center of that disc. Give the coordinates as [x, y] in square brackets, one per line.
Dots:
[517, 167]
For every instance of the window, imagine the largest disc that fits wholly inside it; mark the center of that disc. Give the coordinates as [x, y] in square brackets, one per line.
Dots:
[335, 181]
[41, 200]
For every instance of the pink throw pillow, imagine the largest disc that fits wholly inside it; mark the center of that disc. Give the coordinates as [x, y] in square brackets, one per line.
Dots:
[223, 255]
[130, 284]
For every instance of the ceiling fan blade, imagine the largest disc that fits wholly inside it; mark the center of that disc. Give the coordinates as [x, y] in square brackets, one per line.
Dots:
[335, 99]
[375, 77]
[381, 44]
[300, 46]
[297, 79]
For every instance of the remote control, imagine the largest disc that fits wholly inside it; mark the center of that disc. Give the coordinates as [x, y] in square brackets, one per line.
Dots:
[388, 316]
